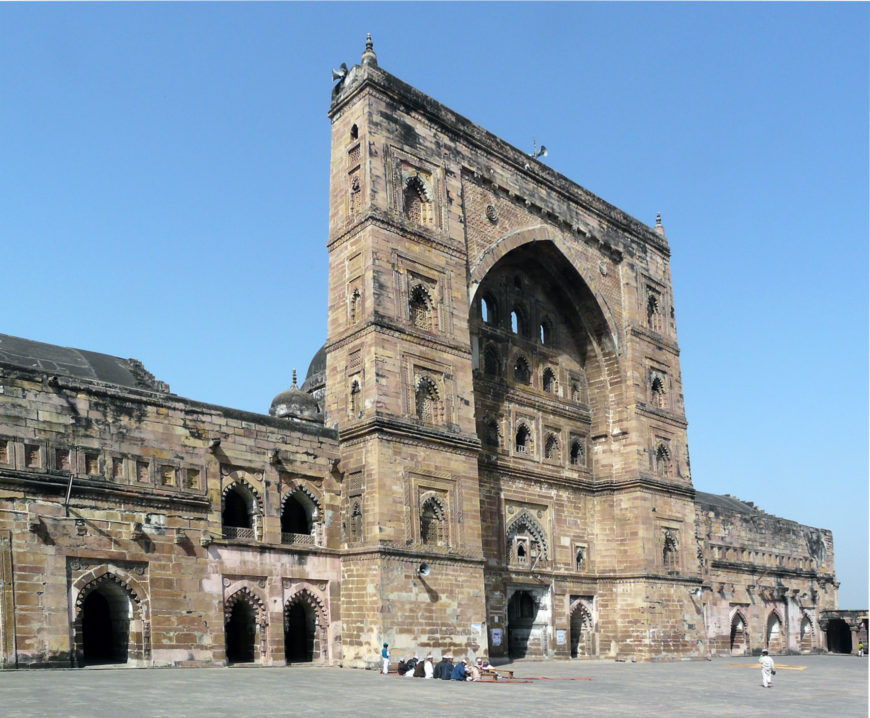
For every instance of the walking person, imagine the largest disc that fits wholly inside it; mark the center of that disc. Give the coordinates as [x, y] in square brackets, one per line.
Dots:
[768, 670]
[385, 657]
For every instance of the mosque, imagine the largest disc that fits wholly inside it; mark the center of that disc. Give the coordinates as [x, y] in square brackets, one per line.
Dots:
[488, 456]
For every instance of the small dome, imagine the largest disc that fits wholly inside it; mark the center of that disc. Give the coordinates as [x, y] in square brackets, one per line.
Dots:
[295, 404]
[317, 367]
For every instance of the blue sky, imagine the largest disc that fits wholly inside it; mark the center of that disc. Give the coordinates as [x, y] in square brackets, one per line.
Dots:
[164, 196]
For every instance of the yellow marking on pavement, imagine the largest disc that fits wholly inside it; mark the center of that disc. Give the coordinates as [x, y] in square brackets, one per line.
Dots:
[758, 665]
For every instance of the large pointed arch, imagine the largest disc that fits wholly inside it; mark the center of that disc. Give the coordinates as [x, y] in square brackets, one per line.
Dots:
[548, 242]
[128, 609]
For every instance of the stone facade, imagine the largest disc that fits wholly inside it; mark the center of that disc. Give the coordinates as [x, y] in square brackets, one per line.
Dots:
[489, 455]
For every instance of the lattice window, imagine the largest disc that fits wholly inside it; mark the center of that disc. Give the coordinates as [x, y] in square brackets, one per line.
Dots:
[433, 524]
[657, 389]
[522, 372]
[663, 460]
[549, 382]
[427, 401]
[417, 204]
[551, 447]
[420, 307]
[654, 311]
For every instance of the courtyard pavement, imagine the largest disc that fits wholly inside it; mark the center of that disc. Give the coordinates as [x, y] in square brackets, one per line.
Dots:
[805, 686]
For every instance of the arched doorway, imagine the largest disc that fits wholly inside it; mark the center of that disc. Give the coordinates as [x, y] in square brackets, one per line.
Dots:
[522, 611]
[775, 637]
[300, 631]
[806, 636]
[241, 633]
[839, 636]
[581, 632]
[739, 636]
[105, 622]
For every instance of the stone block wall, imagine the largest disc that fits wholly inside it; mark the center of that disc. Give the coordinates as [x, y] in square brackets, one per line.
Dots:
[144, 521]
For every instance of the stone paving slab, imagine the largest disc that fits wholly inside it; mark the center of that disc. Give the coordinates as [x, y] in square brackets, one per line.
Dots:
[827, 686]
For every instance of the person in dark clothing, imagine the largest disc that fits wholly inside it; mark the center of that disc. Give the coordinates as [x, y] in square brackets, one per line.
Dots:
[443, 665]
[446, 670]
[459, 673]
[419, 670]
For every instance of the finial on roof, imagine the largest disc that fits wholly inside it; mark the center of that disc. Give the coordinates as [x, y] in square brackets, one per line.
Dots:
[294, 377]
[369, 57]
[659, 228]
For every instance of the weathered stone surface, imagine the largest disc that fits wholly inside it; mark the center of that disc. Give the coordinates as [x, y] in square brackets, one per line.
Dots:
[497, 462]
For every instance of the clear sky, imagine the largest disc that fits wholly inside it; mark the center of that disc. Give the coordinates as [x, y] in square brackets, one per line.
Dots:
[164, 196]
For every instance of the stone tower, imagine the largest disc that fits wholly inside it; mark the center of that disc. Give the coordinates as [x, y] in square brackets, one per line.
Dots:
[399, 381]
[503, 370]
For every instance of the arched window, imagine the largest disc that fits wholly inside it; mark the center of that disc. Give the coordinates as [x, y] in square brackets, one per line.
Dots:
[518, 322]
[551, 447]
[354, 403]
[355, 306]
[492, 435]
[654, 313]
[432, 522]
[420, 307]
[237, 514]
[663, 460]
[355, 526]
[578, 455]
[657, 389]
[545, 332]
[522, 373]
[549, 381]
[427, 401]
[488, 309]
[298, 517]
[490, 362]
[669, 551]
[418, 205]
[523, 444]
[580, 558]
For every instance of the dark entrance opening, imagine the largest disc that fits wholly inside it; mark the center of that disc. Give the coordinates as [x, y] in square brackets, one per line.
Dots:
[105, 627]
[294, 518]
[236, 513]
[581, 638]
[299, 631]
[839, 636]
[241, 633]
[522, 610]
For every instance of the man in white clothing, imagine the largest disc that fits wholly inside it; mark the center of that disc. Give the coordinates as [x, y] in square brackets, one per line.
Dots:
[767, 669]
[428, 667]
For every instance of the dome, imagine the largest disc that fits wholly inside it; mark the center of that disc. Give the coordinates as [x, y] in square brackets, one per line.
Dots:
[316, 369]
[295, 404]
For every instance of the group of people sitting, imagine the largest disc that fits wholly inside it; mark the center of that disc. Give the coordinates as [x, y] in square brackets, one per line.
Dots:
[445, 669]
